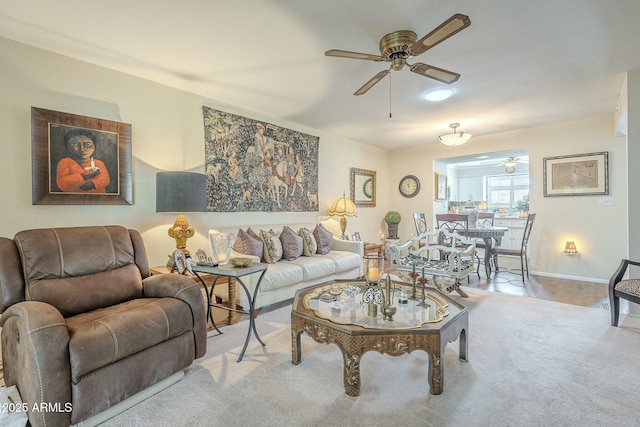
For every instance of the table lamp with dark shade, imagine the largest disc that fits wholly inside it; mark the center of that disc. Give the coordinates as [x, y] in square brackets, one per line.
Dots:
[181, 192]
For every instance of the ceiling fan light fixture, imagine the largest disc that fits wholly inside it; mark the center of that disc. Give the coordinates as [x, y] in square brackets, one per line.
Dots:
[438, 94]
[510, 165]
[455, 138]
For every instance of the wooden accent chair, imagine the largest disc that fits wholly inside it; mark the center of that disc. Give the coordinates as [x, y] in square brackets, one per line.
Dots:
[628, 289]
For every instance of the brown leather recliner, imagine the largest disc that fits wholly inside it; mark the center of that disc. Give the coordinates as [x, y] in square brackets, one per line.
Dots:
[85, 326]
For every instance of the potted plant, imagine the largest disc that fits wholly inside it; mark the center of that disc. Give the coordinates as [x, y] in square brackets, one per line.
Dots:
[523, 206]
[392, 218]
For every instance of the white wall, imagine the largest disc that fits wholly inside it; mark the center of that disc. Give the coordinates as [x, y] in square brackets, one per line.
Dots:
[167, 134]
[600, 232]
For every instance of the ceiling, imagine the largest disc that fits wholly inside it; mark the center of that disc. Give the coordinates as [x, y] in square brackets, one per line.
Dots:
[522, 63]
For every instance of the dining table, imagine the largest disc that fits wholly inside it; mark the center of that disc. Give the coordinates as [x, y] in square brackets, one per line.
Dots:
[488, 234]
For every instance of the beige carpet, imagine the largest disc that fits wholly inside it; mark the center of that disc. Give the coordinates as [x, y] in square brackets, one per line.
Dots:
[531, 363]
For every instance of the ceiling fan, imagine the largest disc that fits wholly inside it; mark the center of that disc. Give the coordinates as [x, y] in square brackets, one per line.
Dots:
[510, 163]
[398, 46]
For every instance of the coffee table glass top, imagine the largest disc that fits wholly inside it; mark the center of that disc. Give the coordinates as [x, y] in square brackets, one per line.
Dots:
[333, 302]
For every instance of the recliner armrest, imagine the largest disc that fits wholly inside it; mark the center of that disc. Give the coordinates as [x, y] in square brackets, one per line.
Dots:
[35, 349]
[186, 289]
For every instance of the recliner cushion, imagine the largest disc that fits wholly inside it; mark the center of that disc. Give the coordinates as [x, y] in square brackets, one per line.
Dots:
[104, 336]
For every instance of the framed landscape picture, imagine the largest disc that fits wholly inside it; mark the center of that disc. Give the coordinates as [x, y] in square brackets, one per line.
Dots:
[576, 175]
[79, 160]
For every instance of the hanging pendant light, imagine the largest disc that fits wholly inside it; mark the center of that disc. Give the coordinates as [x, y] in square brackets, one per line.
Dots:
[455, 138]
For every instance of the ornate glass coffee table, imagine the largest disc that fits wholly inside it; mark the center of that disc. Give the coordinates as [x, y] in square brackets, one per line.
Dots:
[328, 315]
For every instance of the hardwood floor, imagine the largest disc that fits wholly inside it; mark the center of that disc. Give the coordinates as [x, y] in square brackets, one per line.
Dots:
[586, 294]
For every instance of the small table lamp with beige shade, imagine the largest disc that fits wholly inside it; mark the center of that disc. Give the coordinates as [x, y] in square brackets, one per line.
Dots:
[181, 192]
[343, 208]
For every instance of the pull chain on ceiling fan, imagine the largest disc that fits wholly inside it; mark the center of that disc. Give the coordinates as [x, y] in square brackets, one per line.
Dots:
[400, 45]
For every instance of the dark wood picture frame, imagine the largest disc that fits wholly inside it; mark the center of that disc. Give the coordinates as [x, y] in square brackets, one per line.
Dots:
[112, 149]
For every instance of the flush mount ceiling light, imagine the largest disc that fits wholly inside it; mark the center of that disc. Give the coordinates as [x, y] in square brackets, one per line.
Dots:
[439, 94]
[455, 138]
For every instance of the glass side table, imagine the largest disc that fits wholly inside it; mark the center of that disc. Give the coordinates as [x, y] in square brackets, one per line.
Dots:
[236, 273]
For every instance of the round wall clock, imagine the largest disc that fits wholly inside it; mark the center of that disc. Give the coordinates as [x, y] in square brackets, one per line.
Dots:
[409, 186]
[367, 188]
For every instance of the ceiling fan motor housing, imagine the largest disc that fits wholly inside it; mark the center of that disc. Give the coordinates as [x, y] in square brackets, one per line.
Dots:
[394, 47]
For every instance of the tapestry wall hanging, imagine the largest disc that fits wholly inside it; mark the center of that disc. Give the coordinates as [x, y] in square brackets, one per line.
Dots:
[254, 166]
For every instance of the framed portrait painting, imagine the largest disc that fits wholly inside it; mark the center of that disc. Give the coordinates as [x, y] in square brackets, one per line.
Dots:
[576, 175]
[79, 160]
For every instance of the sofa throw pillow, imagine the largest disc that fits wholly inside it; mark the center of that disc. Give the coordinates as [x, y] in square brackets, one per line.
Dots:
[309, 244]
[291, 244]
[324, 238]
[272, 249]
[252, 233]
[247, 244]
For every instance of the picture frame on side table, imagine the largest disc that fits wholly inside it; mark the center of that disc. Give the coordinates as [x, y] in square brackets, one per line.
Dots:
[577, 175]
[441, 187]
[356, 237]
[80, 160]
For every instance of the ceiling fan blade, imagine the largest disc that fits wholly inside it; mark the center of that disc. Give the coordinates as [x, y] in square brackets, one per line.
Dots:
[436, 73]
[451, 26]
[368, 85]
[354, 55]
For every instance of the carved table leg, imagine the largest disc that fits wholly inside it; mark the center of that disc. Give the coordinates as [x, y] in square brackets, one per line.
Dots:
[435, 369]
[296, 332]
[351, 372]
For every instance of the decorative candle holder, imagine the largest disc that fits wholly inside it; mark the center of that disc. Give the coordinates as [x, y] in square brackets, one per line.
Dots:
[373, 268]
[423, 301]
[413, 276]
[373, 295]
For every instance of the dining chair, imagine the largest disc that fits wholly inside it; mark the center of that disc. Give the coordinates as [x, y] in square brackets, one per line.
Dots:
[453, 222]
[420, 220]
[519, 252]
[485, 219]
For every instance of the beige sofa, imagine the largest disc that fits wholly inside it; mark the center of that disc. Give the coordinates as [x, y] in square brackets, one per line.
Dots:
[284, 278]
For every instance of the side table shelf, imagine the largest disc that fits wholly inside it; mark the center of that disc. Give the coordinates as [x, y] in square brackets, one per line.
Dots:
[221, 316]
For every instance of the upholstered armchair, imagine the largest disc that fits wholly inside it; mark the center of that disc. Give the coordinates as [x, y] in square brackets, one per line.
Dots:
[86, 328]
[628, 289]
